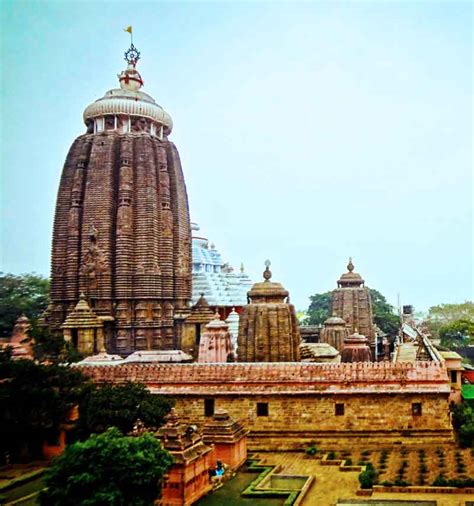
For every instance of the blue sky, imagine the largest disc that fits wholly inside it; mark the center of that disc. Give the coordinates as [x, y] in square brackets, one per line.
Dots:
[308, 132]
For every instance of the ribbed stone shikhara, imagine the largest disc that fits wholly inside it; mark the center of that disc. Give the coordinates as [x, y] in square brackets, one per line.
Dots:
[268, 328]
[121, 229]
[351, 301]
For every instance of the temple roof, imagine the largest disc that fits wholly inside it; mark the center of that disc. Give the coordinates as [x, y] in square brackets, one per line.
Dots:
[267, 291]
[350, 278]
[128, 100]
[82, 316]
[216, 280]
[200, 312]
[182, 440]
[223, 429]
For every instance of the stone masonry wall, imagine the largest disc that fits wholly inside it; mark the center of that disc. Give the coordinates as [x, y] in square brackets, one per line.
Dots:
[295, 421]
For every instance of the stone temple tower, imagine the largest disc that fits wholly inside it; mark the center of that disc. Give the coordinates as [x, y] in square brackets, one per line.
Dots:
[268, 328]
[351, 301]
[121, 230]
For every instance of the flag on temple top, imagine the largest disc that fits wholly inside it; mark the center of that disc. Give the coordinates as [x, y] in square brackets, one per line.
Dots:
[128, 29]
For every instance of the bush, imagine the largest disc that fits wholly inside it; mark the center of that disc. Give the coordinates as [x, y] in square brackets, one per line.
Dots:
[312, 450]
[365, 453]
[331, 456]
[399, 482]
[368, 477]
[440, 481]
[348, 462]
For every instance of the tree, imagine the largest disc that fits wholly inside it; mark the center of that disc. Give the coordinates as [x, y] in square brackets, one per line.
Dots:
[456, 333]
[441, 315]
[120, 406]
[34, 401]
[107, 469]
[28, 294]
[463, 423]
[319, 309]
[384, 314]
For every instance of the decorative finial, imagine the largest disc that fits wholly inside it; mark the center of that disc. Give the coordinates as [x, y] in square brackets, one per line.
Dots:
[132, 55]
[217, 316]
[350, 265]
[242, 270]
[267, 274]
[130, 79]
[82, 296]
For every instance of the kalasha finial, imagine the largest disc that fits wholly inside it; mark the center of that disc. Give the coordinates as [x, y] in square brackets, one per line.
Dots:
[350, 265]
[267, 274]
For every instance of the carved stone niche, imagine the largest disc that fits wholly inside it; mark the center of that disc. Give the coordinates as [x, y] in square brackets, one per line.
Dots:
[140, 340]
[141, 311]
[156, 311]
[122, 311]
[122, 339]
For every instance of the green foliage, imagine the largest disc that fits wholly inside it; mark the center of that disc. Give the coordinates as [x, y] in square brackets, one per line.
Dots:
[456, 333]
[440, 481]
[331, 456]
[119, 406]
[463, 423]
[368, 478]
[443, 314]
[26, 294]
[384, 314]
[107, 469]
[320, 309]
[311, 450]
[348, 462]
[35, 399]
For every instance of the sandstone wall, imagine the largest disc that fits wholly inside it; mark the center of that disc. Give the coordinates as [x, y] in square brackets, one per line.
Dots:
[295, 421]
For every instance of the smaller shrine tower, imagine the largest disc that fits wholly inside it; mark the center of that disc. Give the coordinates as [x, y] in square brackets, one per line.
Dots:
[351, 301]
[355, 349]
[188, 478]
[268, 328]
[216, 345]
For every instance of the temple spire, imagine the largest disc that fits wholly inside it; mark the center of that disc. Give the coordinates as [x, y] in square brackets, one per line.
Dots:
[350, 265]
[267, 274]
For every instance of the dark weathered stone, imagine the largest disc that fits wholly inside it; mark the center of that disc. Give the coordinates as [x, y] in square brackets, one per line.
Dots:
[268, 328]
[121, 230]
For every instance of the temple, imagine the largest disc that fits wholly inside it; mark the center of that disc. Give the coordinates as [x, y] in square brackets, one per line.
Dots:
[268, 328]
[351, 312]
[122, 233]
[223, 288]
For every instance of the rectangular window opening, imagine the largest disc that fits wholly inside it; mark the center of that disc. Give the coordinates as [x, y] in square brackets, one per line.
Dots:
[262, 408]
[209, 407]
[339, 409]
[416, 409]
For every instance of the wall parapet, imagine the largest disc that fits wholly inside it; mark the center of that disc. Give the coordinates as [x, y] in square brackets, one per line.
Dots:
[284, 378]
